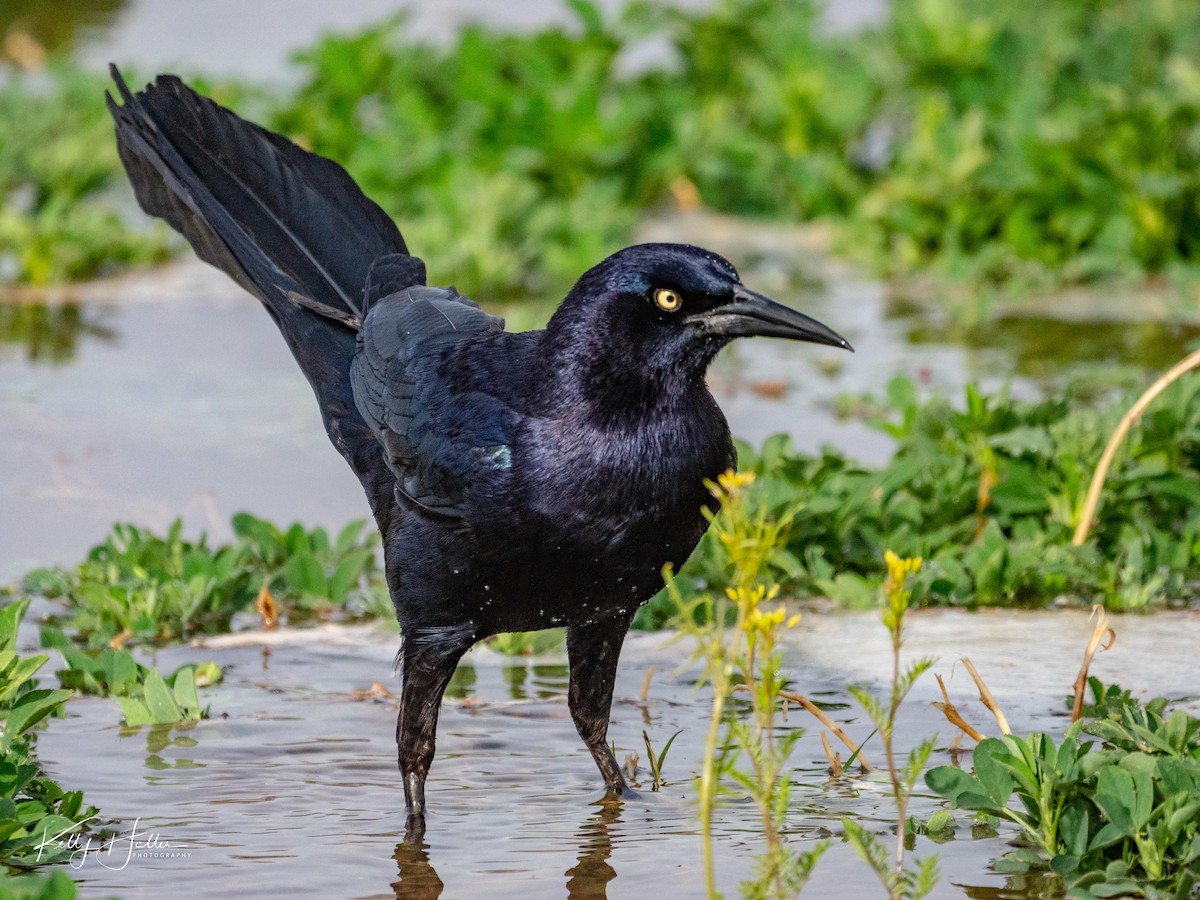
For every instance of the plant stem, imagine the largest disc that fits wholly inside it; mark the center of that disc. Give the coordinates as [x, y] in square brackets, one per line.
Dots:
[708, 788]
[1191, 361]
[901, 799]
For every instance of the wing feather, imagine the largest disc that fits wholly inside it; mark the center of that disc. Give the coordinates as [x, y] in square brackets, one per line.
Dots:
[433, 433]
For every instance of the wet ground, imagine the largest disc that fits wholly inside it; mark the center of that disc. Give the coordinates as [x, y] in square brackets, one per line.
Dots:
[291, 787]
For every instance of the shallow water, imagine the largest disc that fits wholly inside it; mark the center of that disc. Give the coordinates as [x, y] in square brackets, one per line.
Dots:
[291, 786]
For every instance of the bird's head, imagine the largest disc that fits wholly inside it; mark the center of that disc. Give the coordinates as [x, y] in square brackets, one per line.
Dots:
[662, 311]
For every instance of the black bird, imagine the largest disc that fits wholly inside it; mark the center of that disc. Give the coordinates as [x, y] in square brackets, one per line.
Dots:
[520, 481]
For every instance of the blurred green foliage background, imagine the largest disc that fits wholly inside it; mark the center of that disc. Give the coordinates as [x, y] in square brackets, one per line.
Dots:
[1018, 146]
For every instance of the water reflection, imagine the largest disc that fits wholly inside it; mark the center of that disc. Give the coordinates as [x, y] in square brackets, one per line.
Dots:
[462, 682]
[49, 332]
[587, 880]
[418, 879]
[163, 738]
[541, 681]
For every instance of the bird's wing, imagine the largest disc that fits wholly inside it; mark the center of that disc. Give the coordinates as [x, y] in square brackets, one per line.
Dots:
[436, 435]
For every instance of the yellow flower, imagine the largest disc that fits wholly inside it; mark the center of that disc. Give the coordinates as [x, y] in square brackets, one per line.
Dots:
[731, 481]
[764, 623]
[900, 568]
[748, 598]
[755, 620]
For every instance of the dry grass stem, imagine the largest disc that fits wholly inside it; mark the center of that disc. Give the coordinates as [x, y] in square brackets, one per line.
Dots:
[986, 697]
[631, 766]
[375, 692]
[833, 726]
[1101, 630]
[951, 712]
[835, 759]
[646, 684]
[1191, 361]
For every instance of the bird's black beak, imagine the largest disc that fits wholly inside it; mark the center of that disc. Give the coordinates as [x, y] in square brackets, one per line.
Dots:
[753, 315]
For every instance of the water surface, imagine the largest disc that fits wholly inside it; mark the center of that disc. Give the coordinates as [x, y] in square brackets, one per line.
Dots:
[291, 786]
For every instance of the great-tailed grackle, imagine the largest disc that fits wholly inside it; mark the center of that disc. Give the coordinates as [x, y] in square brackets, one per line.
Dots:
[520, 481]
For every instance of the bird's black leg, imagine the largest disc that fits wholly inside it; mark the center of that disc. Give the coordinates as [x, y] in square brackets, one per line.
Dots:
[592, 651]
[430, 658]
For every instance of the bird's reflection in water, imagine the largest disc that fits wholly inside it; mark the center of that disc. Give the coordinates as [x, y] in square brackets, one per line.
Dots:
[418, 879]
[587, 880]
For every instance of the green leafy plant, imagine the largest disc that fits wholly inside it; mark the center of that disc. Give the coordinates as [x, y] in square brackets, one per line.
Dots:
[23, 704]
[32, 805]
[140, 586]
[304, 566]
[164, 701]
[988, 492]
[1006, 145]
[63, 202]
[55, 886]
[657, 760]
[145, 695]
[1116, 817]
[1038, 148]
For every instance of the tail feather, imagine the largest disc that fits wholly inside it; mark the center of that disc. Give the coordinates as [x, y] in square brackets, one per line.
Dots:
[320, 228]
[280, 221]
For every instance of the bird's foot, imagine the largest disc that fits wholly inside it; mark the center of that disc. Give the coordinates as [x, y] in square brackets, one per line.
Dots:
[618, 794]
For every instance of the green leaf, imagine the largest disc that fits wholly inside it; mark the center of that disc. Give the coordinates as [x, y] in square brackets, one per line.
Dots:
[1073, 827]
[1064, 865]
[30, 709]
[185, 692]
[159, 700]
[961, 789]
[989, 758]
[135, 712]
[122, 669]
[10, 617]
[348, 536]
[347, 574]
[304, 575]
[208, 673]
[1115, 797]
[16, 672]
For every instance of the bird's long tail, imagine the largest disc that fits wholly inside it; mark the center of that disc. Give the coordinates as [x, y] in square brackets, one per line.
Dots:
[282, 222]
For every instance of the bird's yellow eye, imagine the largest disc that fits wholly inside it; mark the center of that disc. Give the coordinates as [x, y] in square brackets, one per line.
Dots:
[667, 300]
